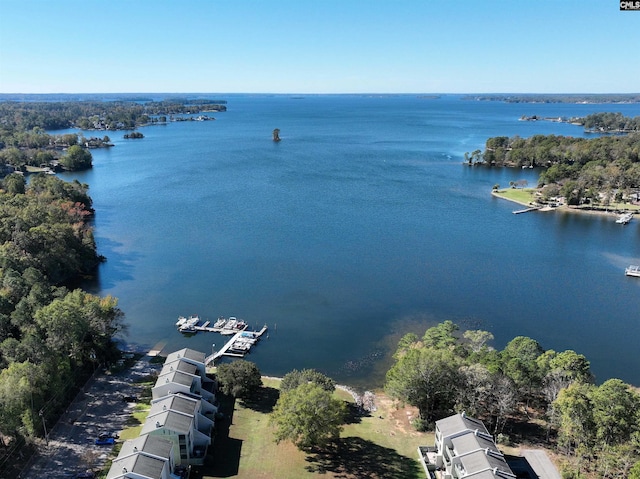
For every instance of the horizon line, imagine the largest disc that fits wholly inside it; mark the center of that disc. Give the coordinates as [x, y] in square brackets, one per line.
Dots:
[312, 93]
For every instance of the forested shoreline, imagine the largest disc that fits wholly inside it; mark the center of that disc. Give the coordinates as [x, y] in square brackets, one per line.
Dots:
[595, 427]
[24, 141]
[594, 171]
[52, 338]
[595, 98]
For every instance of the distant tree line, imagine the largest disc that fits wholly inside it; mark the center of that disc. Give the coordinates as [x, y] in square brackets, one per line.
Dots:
[24, 140]
[597, 428]
[559, 98]
[51, 337]
[610, 122]
[87, 115]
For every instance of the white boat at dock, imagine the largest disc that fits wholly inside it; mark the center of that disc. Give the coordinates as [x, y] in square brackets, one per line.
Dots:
[624, 218]
[633, 270]
[239, 345]
[188, 324]
[220, 322]
[232, 326]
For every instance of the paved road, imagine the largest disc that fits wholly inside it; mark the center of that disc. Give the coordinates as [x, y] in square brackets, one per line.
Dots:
[97, 408]
[541, 464]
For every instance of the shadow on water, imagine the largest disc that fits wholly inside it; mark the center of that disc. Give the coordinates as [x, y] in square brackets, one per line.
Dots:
[357, 457]
[116, 268]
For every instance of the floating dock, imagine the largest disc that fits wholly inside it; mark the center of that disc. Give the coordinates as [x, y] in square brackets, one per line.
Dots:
[223, 326]
[237, 346]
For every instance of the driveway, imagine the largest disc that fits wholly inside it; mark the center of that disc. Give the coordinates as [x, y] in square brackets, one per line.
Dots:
[97, 408]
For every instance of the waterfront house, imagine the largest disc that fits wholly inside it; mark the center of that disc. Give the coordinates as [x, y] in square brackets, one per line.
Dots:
[146, 457]
[149, 446]
[464, 448]
[184, 405]
[181, 430]
[176, 379]
[184, 371]
[178, 428]
[190, 356]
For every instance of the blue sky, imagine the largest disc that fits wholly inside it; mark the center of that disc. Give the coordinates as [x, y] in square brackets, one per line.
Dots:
[318, 46]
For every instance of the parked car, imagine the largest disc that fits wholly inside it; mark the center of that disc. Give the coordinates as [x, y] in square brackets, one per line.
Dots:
[105, 435]
[129, 398]
[106, 441]
[85, 475]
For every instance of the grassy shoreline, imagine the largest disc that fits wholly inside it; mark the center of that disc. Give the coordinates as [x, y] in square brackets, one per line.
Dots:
[380, 445]
[526, 196]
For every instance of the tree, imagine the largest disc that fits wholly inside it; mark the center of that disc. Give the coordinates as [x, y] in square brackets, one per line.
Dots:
[239, 379]
[615, 412]
[477, 339]
[634, 473]
[76, 158]
[14, 184]
[426, 378]
[519, 362]
[295, 378]
[573, 407]
[441, 336]
[478, 385]
[308, 416]
[562, 370]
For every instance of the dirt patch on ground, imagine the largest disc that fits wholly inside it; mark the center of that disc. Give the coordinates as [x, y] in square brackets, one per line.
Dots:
[401, 416]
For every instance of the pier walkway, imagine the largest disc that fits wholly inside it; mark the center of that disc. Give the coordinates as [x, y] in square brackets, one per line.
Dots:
[241, 336]
[526, 210]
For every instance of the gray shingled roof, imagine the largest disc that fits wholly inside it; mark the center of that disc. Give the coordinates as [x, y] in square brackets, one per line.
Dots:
[147, 444]
[483, 475]
[481, 460]
[458, 423]
[137, 464]
[175, 403]
[471, 442]
[179, 365]
[175, 377]
[171, 420]
[191, 354]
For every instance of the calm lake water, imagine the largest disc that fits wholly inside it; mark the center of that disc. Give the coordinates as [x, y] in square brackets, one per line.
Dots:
[361, 225]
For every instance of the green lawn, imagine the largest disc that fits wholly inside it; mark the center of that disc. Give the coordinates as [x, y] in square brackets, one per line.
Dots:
[523, 196]
[382, 445]
[134, 423]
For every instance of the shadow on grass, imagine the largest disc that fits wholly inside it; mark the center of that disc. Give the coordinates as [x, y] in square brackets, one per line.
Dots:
[223, 459]
[132, 421]
[358, 458]
[263, 400]
[353, 413]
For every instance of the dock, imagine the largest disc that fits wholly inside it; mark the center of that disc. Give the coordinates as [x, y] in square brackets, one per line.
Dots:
[526, 210]
[222, 326]
[237, 346]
